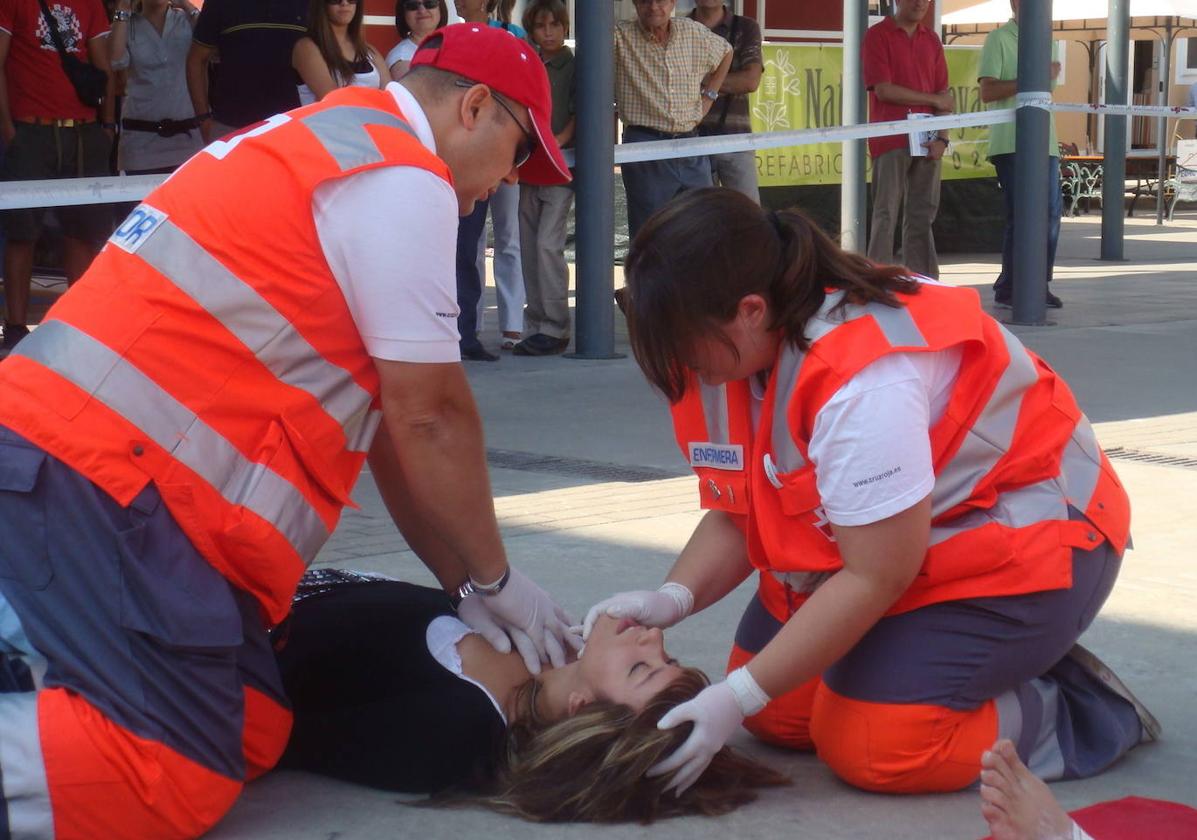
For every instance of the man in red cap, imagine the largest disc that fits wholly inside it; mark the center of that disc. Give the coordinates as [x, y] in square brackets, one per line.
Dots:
[179, 436]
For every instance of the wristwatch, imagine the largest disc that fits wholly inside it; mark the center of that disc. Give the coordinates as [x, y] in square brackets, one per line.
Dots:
[471, 587]
[711, 94]
[122, 14]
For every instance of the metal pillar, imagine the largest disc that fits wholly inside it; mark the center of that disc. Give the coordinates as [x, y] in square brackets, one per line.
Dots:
[1162, 140]
[1031, 165]
[595, 182]
[853, 199]
[1113, 185]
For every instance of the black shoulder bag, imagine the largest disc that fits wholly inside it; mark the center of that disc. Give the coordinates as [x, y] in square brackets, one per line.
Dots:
[89, 81]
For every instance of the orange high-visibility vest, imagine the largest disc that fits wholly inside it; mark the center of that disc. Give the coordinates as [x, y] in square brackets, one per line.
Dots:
[1011, 454]
[209, 348]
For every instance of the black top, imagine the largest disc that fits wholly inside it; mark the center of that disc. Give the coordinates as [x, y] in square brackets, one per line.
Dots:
[253, 79]
[371, 704]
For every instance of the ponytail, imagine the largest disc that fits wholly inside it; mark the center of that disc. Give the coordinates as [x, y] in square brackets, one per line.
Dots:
[694, 261]
[810, 263]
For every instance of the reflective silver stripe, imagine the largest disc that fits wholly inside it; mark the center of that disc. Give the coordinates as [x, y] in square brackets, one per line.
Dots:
[898, 325]
[990, 437]
[1009, 715]
[1080, 466]
[1046, 759]
[115, 382]
[26, 793]
[714, 410]
[786, 457]
[260, 327]
[365, 432]
[342, 131]
[1019, 508]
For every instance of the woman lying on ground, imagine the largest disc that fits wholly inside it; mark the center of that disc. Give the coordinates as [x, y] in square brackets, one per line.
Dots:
[391, 690]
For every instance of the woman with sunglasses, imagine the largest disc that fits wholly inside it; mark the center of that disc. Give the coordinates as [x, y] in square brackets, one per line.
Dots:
[334, 53]
[414, 20]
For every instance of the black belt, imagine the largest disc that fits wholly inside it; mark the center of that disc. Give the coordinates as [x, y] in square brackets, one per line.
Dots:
[662, 135]
[163, 128]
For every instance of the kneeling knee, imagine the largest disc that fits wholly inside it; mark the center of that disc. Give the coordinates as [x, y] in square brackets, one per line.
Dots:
[898, 748]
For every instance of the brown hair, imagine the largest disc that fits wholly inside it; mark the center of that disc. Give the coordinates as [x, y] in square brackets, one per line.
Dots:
[321, 32]
[590, 767]
[697, 257]
[554, 7]
[401, 17]
[504, 8]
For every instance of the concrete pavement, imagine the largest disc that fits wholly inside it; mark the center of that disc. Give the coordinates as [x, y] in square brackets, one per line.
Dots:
[592, 497]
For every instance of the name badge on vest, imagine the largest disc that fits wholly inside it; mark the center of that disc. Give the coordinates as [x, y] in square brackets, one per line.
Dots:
[718, 456]
[137, 228]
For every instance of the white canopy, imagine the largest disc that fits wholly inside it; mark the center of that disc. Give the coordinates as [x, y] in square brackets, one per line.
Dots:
[1082, 14]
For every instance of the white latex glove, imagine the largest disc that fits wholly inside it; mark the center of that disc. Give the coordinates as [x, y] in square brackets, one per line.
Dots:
[474, 614]
[662, 608]
[538, 627]
[716, 712]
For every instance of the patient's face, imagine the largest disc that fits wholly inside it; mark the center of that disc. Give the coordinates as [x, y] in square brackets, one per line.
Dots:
[626, 663]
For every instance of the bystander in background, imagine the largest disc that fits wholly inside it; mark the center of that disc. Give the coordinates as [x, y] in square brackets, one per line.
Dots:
[544, 210]
[668, 72]
[729, 114]
[334, 53]
[906, 73]
[253, 79]
[158, 129]
[414, 21]
[48, 131]
[504, 209]
[997, 75]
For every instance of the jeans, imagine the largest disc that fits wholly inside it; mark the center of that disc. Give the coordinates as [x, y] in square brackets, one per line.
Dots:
[1055, 205]
[469, 282]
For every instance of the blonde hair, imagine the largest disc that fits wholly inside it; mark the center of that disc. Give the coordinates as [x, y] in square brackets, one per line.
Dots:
[590, 767]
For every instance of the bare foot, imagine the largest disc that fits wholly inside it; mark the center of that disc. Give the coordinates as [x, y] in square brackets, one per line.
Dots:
[1016, 804]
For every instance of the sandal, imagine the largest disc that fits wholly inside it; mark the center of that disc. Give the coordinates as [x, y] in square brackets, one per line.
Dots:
[510, 339]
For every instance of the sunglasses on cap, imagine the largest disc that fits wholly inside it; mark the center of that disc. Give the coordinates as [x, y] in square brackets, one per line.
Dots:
[415, 5]
[524, 150]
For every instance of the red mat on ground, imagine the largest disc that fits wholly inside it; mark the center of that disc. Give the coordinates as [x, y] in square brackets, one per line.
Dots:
[1136, 818]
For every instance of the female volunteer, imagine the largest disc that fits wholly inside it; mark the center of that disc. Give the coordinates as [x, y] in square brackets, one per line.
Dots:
[932, 519]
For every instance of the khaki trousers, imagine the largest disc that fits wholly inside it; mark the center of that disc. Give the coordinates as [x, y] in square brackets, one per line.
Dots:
[544, 213]
[901, 179]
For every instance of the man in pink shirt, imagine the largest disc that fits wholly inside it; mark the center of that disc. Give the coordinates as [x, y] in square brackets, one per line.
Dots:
[905, 72]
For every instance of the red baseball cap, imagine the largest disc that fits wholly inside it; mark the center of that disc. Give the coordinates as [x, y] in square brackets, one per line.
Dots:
[507, 64]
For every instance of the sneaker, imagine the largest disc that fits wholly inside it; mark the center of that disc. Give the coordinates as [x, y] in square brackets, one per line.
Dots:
[1083, 657]
[1054, 302]
[13, 333]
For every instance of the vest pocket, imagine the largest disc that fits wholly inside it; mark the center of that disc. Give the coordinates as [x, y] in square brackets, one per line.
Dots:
[799, 492]
[23, 553]
[723, 490]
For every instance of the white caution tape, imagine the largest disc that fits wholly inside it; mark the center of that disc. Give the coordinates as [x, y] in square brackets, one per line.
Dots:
[73, 191]
[1172, 112]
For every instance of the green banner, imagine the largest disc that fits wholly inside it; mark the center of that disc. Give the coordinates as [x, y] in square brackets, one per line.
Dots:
[801, 88]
